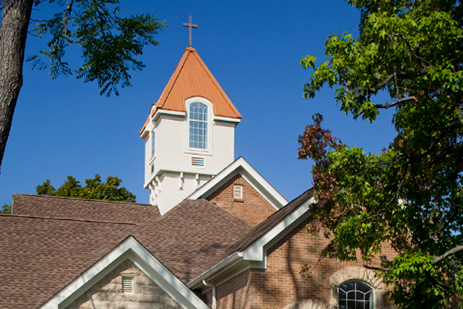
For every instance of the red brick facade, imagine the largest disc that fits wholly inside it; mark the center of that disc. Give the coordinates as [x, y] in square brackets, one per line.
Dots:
[281, 284]
[252, 208]
[235, 293]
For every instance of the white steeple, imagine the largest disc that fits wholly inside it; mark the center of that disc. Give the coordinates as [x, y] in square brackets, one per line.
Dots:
[189, 134]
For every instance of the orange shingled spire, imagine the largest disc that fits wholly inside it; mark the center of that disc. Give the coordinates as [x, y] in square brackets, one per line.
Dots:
[192, 78]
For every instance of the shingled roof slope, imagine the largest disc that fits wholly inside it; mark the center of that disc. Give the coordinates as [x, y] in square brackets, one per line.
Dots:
[192, 236]
[40, 254]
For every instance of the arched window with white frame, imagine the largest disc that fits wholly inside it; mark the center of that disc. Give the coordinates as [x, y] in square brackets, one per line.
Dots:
[355, 295]
[198, 126]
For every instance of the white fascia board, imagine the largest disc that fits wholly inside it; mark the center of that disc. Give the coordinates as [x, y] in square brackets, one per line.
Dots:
[256, 251]
[263, 191]
[226, 119]
[133, 250]
[247, 169]
[160, 112]
[264, 183]
[221, 266]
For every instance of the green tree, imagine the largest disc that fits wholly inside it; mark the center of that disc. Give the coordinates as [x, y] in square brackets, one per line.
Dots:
[93, 189]
[110, 45]
[411, 194]
[6, 209]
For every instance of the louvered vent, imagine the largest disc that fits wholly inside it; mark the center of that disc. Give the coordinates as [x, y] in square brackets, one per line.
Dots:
[197, 161]
[127, 284]
[238, 193]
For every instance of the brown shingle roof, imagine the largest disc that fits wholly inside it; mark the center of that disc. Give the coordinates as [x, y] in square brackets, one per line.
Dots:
[192, 236]
[51, 240]
[192, 78]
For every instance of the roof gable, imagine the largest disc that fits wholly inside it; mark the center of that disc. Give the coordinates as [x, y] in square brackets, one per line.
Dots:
[242, 167]
[39, 256]
[130, 249]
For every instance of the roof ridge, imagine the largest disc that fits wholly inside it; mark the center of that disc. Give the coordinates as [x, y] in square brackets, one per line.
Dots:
[64, 219]
[78, 198]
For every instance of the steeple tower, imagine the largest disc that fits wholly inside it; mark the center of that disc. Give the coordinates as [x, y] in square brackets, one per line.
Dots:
[189, 134]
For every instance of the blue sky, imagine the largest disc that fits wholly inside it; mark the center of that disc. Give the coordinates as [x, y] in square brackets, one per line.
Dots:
[64, 127]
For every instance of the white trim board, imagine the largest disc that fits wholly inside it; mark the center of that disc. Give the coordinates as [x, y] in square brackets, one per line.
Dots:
[131, 249]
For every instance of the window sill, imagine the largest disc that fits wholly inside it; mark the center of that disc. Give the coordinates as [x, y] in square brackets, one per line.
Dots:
[199, 152]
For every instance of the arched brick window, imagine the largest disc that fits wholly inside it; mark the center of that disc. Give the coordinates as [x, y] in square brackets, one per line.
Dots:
[355, 295]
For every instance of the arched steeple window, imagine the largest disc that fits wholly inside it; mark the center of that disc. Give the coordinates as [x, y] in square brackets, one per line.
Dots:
[355, 295]
[198, 126]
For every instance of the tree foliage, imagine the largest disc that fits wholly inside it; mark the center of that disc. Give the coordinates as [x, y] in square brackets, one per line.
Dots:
[6, 209]
[411, 194]
[109, 42]
[110, 45]
[93, 189]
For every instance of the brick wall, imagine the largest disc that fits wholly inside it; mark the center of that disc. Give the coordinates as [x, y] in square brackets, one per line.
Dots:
[234, 293]
[281, 284]
[253, 208]
[108, 294]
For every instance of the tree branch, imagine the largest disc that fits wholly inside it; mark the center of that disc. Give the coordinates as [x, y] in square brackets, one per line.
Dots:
[376, 268]
[387, 105]
[447, 255]
[66, 17]
[114, 22]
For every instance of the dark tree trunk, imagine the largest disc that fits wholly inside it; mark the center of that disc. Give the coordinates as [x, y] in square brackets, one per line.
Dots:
[13, 33]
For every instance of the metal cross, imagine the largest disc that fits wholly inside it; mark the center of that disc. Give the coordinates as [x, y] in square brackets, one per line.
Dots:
[190, 25]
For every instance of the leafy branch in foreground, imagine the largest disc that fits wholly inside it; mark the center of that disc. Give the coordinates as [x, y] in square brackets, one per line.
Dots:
[110, 46]
[109, 42]
[410, 196]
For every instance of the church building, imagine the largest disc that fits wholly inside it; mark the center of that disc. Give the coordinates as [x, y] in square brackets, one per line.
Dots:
[215, 234]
